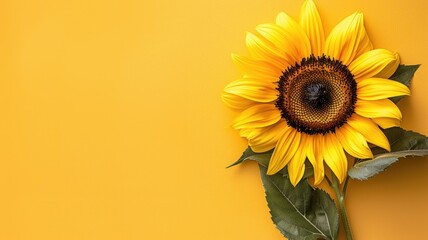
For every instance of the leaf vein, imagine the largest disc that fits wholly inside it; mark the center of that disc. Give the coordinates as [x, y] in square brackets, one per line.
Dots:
[297, 210]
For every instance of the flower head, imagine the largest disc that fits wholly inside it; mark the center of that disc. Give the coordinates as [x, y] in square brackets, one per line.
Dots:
[311, 97]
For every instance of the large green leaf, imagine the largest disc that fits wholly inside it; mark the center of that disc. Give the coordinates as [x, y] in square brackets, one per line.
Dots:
[403, 144]
[403, 74]
[300, 212]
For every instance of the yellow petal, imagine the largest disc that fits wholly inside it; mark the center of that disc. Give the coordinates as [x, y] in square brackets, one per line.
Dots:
[375, 63]
[297, 35]
[285, 149]
[377, 109]
[257, 116]
[311, 23]
[380, 88]
[348, 39]
[296, 166]
[334, 156]
[369, 130]
[390, 68]
[353, 142]
[265, 139]
[245, 132]
[236, 102]
[261, 49]
[253, 89]
[314, 154]
[310, 151]
[282, 40]
[257, 68]
[387, 122]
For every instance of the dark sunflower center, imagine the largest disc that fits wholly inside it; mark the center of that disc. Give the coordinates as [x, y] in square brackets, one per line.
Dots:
[316, 96]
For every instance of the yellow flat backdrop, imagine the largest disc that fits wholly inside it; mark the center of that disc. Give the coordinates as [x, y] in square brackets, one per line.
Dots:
[112, 125]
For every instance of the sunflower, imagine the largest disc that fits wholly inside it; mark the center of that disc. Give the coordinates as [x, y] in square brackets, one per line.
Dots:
[311, 97]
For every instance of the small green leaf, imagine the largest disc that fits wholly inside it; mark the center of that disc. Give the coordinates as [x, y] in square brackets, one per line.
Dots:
[300, 212]
[403, 74]
[364, 170]
[248, 154]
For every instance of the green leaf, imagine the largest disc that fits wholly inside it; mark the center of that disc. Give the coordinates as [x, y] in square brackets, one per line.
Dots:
[366, 169]
[401, 140]
[403, 144]
[403, 74]
[300, 212]
[248, 154]
[264, 158]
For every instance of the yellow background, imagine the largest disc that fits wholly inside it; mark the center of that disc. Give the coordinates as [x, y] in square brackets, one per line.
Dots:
[112, 125]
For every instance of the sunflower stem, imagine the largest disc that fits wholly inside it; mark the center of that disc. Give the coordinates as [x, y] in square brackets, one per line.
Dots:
[341, 202]
[345, 186]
